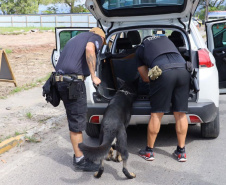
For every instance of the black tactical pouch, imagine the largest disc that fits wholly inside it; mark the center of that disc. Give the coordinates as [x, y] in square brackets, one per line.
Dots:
[75, 90]
[50, 91]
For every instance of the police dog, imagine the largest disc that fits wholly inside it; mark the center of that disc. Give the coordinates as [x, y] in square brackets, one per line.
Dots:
[115, 121]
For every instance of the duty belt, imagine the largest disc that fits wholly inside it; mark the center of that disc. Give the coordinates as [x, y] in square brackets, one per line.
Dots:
[60, 78]
[172, 65]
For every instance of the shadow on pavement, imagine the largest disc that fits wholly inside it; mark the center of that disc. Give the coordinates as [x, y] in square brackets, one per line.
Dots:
[137, 137]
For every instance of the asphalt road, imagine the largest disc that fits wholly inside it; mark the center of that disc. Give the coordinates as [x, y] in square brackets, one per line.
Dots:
[50, 162]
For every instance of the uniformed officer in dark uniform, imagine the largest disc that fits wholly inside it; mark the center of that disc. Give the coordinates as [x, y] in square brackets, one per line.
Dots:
[78, 60]
[171, 87]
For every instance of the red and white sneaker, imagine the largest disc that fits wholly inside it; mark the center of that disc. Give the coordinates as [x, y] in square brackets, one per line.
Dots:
[147, 155]
[181, 156]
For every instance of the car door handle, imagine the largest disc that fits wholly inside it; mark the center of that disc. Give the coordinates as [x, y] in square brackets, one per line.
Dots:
[219, 53]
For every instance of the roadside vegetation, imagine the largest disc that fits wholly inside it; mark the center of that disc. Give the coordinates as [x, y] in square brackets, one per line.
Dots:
[19, 133]
[27, 86]
[9, 136]
[31, 139]
[30, 85]
[8, 51]
[22, 30]
[29, 115]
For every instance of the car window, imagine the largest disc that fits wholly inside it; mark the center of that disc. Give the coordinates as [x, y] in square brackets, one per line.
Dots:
[154, 32]
[219, 35]
[66, 36]
[115, 4]
[143, 33]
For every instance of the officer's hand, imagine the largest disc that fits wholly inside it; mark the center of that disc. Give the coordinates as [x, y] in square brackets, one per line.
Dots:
[96, 80]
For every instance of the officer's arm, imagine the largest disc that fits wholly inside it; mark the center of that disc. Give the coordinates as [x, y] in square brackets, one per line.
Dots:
[143, 70]
[91, 61]
[91, 57]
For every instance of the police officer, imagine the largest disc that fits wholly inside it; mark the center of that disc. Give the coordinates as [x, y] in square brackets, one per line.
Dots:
[78, 60]
[171, 87]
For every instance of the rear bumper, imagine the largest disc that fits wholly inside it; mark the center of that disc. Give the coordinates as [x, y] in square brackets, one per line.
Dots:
[206, 111]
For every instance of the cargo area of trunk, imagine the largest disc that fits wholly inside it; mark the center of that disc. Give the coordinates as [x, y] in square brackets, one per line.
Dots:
[123, 65]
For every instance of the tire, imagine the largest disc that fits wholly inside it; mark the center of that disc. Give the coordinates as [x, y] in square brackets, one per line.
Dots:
[211, 129]
[93, 130]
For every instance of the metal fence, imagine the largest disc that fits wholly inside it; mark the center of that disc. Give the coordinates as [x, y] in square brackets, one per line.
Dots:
[48, 20]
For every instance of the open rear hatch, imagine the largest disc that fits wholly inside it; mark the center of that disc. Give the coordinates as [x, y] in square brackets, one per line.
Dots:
[120, 13]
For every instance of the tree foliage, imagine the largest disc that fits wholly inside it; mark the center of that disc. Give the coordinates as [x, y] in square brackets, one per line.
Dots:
[31, 6]
[214, 5]
[71, 5]
[79, 9]
[19, 6]
[51, 10]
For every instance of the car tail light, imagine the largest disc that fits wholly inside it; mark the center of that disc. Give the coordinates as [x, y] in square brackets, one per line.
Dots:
[204, 58]
[195, 119]
[95, 119]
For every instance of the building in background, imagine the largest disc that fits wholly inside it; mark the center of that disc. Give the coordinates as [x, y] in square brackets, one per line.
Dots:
[214, 15]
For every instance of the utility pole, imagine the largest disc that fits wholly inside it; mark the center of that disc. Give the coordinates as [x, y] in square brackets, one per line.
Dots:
[207, 10]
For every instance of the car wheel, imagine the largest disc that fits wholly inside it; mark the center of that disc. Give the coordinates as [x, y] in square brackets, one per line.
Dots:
[211, 129]
[93, 130]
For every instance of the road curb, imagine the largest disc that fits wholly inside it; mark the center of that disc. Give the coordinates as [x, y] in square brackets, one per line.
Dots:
[11, 143]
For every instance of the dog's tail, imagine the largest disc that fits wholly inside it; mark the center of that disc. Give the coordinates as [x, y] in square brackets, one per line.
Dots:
[94, 153]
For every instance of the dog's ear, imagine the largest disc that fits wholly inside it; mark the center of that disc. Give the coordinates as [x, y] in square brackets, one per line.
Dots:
[120, 82]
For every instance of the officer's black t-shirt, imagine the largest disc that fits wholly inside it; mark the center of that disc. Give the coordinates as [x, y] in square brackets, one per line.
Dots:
[73, 57]
[158, 51]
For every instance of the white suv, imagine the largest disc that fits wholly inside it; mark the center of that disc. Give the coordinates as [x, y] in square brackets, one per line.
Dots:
[126, 23]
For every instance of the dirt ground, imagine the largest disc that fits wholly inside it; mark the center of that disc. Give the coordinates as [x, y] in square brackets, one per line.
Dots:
[30, 59]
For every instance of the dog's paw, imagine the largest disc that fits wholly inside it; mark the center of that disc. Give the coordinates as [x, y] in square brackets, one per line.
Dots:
[133, 175]
[127, 174]
[108, 158]
[99, 173]
[110, 155]
[96, 175]
[118, 158]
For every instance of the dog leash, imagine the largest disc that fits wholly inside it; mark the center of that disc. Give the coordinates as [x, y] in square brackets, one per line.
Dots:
[111, 89]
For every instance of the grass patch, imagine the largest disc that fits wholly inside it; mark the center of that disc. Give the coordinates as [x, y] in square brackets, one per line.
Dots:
[31, 85]
[18, 133]
[29, 115]
[8, 51]
[7, 137]
[21, 30]
[31, 139]
[43, 120]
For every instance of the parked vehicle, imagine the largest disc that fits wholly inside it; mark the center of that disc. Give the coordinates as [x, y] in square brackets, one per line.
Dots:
[197, 22]
[126, 26]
